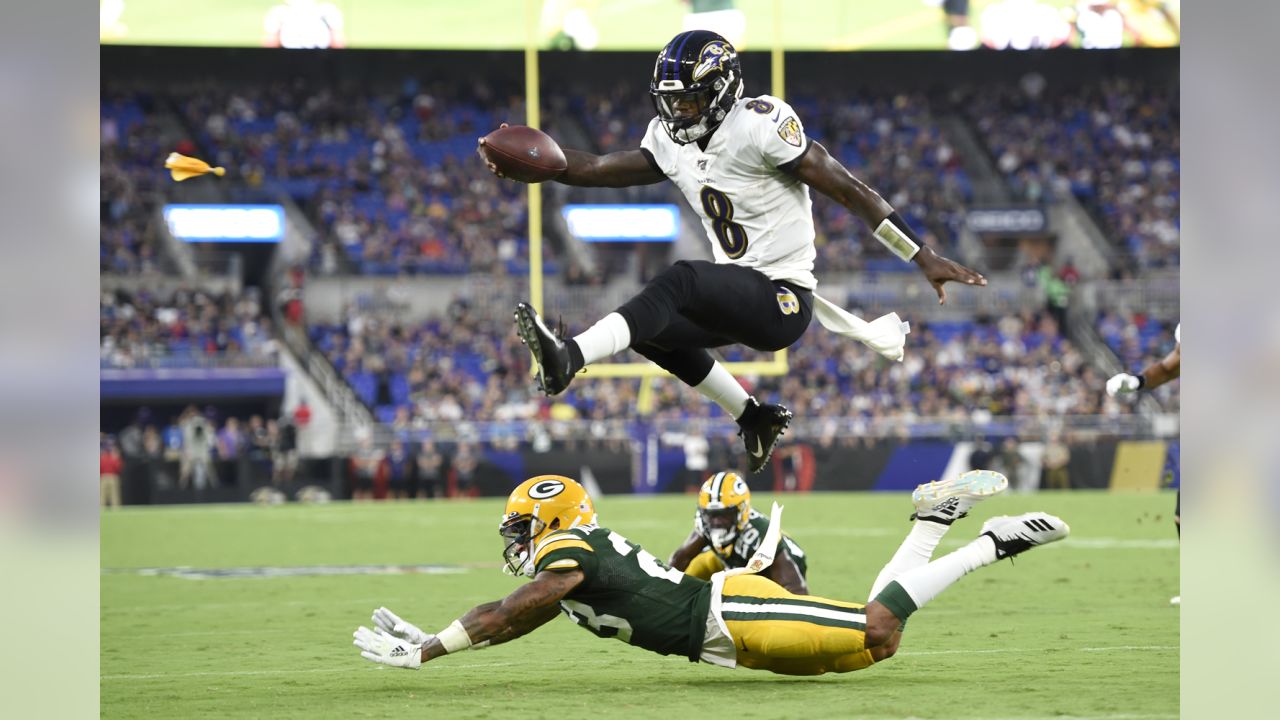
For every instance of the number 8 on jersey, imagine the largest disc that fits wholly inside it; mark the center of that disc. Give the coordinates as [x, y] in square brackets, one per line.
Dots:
[732, 236]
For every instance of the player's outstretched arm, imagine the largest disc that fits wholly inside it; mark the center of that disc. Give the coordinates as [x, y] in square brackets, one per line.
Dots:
[685, 554]
[823, 173]
[619, 169]
[520, 613]
[1153, 376]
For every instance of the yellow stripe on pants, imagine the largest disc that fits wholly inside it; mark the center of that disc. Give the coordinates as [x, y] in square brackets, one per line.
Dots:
[807, 645]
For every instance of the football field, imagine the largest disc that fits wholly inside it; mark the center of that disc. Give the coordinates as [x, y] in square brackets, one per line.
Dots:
[247, 612]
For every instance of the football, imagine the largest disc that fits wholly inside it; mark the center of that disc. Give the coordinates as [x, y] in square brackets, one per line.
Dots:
[524, 153]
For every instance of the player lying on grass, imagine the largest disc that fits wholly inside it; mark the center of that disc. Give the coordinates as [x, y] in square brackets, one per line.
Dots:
[727, 532]
[1153, 376]
[613, 588]
[745, 166]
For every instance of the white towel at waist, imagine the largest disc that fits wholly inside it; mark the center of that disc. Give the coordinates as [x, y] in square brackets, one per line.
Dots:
[886, 334]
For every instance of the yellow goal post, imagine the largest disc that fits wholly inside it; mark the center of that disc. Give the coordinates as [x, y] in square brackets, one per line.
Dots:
[646, 370]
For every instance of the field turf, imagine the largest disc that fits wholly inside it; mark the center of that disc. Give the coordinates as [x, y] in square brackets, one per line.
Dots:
[1080, 629]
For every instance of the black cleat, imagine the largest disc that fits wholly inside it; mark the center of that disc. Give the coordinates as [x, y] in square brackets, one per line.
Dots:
[760, 426]
[549, 350]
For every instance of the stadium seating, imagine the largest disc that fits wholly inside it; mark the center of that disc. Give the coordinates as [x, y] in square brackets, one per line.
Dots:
[1114, 145]
[183, 329]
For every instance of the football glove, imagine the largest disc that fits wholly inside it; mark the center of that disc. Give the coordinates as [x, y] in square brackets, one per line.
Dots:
[377, 646]
[394, 625]
[1123, 384]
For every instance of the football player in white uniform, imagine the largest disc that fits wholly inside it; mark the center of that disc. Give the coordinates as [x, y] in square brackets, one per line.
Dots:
[746, 166]
[1153, 376]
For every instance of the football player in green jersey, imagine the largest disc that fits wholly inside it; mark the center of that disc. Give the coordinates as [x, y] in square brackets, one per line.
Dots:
[613, 588]
[727, 532]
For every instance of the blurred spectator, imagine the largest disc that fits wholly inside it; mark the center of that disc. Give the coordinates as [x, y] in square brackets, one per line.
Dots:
[398, 461]
[1057, 458]
[366, 469]
[428, 466]
[198, 439]
[464, 466]
[110, 465]
[231, 441]
[284, 450]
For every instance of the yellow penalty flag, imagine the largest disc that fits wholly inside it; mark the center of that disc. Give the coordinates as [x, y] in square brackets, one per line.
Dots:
[183, 167]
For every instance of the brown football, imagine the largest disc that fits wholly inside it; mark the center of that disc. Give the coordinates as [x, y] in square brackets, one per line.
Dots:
[524, 153]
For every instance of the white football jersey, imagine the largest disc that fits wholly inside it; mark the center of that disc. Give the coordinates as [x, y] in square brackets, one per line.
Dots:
[756, 214]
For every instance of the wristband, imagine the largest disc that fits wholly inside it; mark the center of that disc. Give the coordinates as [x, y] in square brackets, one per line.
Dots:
[896, 235]
[1142, 381]
[454, 637]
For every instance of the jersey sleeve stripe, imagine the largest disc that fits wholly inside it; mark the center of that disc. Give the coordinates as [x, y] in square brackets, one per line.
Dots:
[562, 564]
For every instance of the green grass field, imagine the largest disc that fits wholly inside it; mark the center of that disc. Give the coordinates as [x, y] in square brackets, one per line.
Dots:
[1078, 629]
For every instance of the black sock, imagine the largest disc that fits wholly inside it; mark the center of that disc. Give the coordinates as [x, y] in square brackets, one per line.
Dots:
[576, 361]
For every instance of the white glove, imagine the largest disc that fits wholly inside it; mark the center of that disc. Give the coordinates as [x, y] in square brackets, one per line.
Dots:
[392, 624]
[1122, 384]
[386, 649]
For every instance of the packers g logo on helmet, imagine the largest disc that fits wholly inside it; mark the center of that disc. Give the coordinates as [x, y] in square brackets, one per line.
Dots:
[536, 508]
[724, 508]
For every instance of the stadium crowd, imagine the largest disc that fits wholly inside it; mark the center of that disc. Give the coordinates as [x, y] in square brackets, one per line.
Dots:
[1113, 144]
[467, 365]
[183, 328]
[131, 142]
[385, 173]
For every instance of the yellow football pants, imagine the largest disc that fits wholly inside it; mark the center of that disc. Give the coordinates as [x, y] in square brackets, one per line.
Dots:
[790, 634]
[704, 565]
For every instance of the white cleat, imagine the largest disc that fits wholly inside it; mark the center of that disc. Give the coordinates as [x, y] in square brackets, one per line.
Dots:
[1017, 534]
[1175, 600]
[945, 501]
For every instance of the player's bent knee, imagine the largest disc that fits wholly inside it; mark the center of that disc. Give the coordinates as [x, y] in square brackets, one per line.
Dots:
[881, 625]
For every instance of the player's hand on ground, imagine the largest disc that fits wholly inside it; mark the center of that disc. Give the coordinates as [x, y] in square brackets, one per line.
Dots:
[940, 271]
[1123, 384]
[396, 626]
[377, 646]
[488, 163]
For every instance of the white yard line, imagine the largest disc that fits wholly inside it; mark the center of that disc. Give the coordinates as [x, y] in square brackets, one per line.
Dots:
[238, 673]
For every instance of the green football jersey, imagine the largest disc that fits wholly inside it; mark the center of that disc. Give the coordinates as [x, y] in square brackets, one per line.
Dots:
[627, 593]
[748, 542]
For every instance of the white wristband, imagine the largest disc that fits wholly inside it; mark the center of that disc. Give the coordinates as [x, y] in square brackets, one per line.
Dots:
[454, 637]
[897, 241]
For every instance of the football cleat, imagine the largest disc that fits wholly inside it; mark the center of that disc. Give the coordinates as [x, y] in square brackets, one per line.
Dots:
[1017, 534]
[945, 501]
[549, 350]
[1175, 600]
[760, 427]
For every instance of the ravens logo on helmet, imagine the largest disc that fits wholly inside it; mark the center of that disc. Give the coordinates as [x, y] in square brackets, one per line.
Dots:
[696, 80]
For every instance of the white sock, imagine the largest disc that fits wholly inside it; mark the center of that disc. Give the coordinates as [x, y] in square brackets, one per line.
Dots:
[722, 388]
[607, 337]
[925, 583]
[915, 551]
